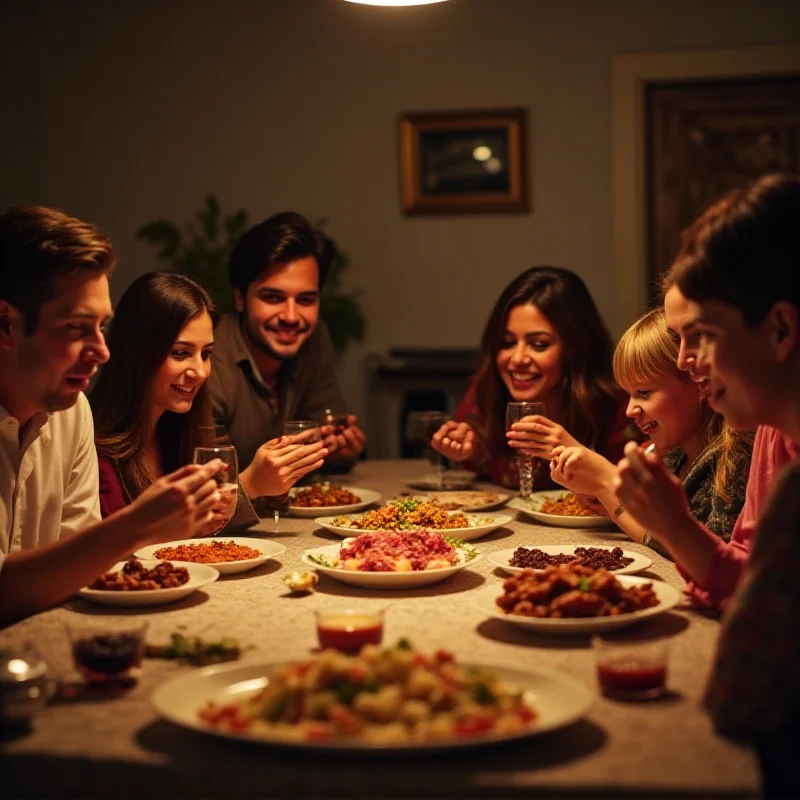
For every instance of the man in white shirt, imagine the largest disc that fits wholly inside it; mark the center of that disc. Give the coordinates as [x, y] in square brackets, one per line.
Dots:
[54, 304]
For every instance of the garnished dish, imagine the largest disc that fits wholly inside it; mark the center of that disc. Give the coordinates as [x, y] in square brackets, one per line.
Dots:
[322, 495]
[410, 514]
[464, 501]
[394, 696]
[135, 577]
[382, 699]
[614, 559]
[227, 555]
[570, 590]
[569, 599]
[148, 582]
[194, 650]
[559, 508]
[306, 501]
[214, 552]
[390, 558]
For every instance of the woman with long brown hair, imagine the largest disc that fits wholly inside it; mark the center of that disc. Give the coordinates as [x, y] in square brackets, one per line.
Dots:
[151, 405]
[544, 341]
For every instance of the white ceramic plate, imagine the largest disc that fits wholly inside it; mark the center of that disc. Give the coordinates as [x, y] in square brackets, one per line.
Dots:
[531, 509]
[500, 558]
[385, 580]
[668, 597]
[465, 501]
[481, 525]
[558, 699]
[267, 549]
[368, 497]
[200, 575]
[454, 479]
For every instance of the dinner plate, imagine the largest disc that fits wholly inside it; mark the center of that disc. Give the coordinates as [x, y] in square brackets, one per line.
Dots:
[267, 548]
[387, 580]
[368, 497]
[668, 597]
[480, 525]
[558, 699]
[500, 558]
[200, 575]
[531, 509]
[454, 479]
[465, 501]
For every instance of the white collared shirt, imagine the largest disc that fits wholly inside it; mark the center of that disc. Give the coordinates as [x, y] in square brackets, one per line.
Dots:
[49, 481]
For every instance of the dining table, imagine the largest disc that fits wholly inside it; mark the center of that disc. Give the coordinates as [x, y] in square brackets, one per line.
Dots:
[120, 747]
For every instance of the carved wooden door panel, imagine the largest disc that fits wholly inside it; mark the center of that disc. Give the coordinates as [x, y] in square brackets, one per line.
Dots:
[706, 138]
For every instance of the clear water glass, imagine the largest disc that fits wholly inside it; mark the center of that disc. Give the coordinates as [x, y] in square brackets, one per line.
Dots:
[420, 428]
[300, 431]
[227, 479]
[514, 413]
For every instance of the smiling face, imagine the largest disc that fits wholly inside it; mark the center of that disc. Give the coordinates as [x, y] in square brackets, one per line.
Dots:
[749, 368]
[281, 308]
[530, 358]
[677, 310]
[186, 368]
[667, 409]
[55, 363]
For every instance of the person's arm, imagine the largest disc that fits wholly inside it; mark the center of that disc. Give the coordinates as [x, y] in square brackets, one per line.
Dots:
[174, 506]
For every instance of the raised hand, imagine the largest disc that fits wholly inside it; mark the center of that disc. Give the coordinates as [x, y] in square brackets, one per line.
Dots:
[650, 493]
[279, 464]
[454, 440]
[347, 444]
[178, 505]
[581, 470]
[538, 436]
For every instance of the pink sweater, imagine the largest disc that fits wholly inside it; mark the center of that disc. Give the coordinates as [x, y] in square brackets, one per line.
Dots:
[771, 451]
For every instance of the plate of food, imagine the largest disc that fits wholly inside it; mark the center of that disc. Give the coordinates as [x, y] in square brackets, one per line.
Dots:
[411, 514]
[393, 559]
[306, 501]
[147, 583]
[341, 710]
[570, 599]
[451, 479]
[560, 508]
[614, 559]
[228, 555]
[464, 501]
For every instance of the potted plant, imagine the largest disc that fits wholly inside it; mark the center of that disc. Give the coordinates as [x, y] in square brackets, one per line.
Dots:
[200, 249]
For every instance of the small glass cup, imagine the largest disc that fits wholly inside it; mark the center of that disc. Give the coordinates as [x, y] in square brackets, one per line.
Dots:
[631, 670]
[514, 413]
[302, 431]
[109, 651]
[336, 421]
[350, 629]
[420, 428]
[228, 484]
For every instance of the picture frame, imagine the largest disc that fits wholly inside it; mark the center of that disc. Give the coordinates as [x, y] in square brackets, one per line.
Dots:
[464, 162]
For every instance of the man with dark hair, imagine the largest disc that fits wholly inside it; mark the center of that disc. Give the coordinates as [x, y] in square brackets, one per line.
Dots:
[54, 304]
[274, 360]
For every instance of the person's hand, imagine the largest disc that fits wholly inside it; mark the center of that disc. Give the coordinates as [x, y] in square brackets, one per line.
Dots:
[592, 504]
[348, 443]
[650, 493]
[279, 464]
[581, 470]
[538, 436]
[454, 440]
[177, 505]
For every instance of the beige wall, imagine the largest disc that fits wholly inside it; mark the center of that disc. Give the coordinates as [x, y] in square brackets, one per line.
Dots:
[123, 112]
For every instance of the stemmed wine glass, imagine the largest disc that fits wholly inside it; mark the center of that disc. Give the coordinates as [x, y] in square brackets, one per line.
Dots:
[420, 427]
[514, 413]
[227, 481]
[300, 431]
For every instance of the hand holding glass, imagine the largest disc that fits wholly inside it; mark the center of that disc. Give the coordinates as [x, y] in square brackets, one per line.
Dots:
[301, 432]
[514, 413]
[420, 427]
[227, 480]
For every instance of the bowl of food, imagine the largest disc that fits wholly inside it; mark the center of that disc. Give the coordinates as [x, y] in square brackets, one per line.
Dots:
[306, 501]
[561, 509]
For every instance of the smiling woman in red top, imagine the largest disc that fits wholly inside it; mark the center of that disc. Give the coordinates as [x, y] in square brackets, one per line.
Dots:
[545, 341]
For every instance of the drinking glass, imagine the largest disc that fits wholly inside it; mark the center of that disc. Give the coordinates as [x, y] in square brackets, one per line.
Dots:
[227, 482]
[337, 421]
[350, 629]
[514, 413]
[108, 652]
[631, 670]
[420, 427]
[300, 431]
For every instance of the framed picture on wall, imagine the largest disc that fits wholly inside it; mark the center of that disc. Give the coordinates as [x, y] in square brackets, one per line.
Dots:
[464, 162]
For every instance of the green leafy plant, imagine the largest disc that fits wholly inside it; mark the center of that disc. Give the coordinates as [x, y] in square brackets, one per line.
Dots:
[201, 248]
